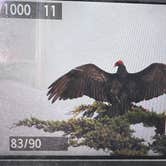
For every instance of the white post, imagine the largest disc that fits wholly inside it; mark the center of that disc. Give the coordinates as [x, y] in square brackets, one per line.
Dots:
[165, 123]
[39, 57]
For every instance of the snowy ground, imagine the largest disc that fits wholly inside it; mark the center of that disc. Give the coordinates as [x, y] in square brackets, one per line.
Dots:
[18, 101]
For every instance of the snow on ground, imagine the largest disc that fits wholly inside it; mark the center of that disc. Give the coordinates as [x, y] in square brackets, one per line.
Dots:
[17, 102]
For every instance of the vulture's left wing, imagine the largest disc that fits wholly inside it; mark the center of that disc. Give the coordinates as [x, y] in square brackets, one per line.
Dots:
[150, 82]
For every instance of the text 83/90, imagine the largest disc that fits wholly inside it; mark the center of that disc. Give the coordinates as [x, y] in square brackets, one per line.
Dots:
[21, 143]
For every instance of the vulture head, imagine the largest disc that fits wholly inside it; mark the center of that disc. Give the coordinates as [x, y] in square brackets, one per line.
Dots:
[118, 63]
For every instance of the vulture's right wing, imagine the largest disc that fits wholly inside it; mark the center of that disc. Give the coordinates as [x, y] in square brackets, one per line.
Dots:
[87, 80]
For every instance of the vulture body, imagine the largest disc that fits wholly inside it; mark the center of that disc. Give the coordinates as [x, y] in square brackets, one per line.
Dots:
[120, 89]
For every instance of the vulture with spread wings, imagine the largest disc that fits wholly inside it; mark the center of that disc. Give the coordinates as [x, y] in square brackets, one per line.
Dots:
[120, 88]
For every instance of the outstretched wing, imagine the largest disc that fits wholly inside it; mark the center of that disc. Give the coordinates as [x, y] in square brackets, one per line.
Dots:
[150, 82]
[87, 80]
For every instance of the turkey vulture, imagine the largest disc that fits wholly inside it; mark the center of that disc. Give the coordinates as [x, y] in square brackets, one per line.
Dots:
[120, 88]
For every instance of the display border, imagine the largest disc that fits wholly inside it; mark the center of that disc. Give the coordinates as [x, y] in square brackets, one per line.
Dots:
[83, 160]
[156, 2]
